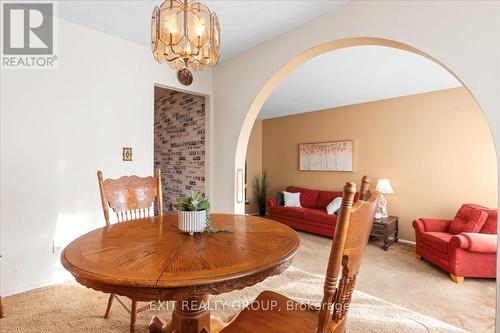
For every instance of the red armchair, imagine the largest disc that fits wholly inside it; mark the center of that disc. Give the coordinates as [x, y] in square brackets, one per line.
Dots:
[465, 246]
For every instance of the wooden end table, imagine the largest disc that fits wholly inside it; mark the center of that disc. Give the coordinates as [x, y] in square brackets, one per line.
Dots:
[386, 228]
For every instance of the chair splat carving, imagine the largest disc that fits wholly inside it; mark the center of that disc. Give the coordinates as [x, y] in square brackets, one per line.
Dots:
[131, 197]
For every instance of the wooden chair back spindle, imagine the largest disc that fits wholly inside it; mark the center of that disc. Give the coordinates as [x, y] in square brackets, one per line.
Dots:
[131, 197]
[353, 229]
[364, 191]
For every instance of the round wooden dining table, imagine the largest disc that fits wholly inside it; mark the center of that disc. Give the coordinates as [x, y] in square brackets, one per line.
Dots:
[151, 259]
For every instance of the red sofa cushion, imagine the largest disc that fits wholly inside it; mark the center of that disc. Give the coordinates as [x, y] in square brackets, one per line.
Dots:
[325, 197]
[320, 216]
[468, 219]
[306, 225]
[288, 211]
[490, 226]
[437, 240]
[308, 198]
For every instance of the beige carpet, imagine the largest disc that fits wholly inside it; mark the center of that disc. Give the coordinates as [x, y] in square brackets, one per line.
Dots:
[397, 277]
[394, 275]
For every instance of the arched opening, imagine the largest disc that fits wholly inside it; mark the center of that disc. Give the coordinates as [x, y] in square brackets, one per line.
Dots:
[283, 73]
[274, 81]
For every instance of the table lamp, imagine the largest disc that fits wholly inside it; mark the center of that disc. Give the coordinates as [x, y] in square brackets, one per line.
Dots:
[383, 187]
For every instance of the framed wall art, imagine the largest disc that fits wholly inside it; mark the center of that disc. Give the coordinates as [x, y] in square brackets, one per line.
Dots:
[326, 156]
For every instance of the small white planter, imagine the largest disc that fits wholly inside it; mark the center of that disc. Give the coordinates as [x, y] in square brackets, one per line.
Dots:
[192, 222]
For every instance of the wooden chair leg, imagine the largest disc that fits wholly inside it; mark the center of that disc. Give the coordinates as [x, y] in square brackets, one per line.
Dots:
[2, 314]
[110, 303]
[133, 316]
[133, 313]
[457, 279]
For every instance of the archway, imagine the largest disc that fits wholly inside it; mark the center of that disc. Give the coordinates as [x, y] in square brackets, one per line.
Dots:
[275, 80]
[271, 84]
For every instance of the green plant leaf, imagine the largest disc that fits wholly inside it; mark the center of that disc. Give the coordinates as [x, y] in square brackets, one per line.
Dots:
[260, 188]
[192, 201]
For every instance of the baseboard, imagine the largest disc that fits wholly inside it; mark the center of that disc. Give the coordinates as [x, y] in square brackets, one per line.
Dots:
[30, 287]
[405, 241]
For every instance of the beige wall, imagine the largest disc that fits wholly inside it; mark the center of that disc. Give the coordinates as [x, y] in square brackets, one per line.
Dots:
[254, 166]
[462, 35]
[436, 149]
[453, 33]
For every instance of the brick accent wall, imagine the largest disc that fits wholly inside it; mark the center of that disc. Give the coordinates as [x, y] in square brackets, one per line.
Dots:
[179, 143]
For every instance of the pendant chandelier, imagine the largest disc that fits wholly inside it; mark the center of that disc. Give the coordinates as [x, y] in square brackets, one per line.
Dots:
[186, 35]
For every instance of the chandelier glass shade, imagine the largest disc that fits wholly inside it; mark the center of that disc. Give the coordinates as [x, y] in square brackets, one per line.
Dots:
[185, 34]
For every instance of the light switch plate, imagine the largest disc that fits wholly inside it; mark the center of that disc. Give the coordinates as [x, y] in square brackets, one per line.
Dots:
[127, 154]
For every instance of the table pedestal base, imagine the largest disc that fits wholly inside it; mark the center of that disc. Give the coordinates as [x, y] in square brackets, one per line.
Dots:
[189, 316]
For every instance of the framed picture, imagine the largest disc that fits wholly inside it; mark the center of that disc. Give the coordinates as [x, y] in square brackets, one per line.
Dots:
[127, 154]
[326, 156]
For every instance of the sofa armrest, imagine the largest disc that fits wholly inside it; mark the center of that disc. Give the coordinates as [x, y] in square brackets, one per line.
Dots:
[431, 225]
[419, 227]
[475, 242]
[270, 203]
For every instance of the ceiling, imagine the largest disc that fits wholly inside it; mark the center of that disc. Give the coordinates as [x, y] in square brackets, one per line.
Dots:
[244, 24]
[355, 75]
[343, 77]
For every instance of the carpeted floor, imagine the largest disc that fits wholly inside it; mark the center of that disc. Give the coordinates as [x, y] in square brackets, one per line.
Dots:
[397, 277]
[395, 293]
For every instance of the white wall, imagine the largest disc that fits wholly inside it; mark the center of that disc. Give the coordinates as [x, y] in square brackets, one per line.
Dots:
[58, 127]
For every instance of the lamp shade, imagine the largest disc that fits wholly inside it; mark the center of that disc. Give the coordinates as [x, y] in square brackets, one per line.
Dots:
[384, 186]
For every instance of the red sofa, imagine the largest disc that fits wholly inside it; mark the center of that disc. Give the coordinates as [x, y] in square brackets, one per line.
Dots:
[465, 246]
[312, 216]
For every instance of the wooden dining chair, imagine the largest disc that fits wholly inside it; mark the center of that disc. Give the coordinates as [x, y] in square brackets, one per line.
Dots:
[272, 312]
[364, 190]
[130, 198]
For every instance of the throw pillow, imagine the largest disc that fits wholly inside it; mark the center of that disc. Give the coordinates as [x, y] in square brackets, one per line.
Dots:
[334, 206]
[280, 199]
[291, 199]
[308, 198]
[468, 219]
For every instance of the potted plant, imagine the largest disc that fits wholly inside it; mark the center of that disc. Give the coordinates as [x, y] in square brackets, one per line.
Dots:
[192, 211]
[260, 188]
